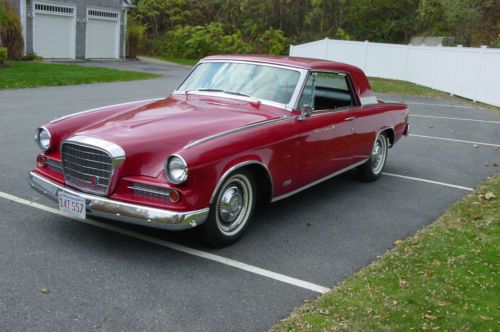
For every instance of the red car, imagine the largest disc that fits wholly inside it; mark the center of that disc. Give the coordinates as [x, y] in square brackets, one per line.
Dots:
[239, 129]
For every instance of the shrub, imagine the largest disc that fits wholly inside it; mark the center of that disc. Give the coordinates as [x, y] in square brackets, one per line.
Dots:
[3, 55]
[11, 33]
[195, 42]
[272, 41]
[32, 57]
[135, 37]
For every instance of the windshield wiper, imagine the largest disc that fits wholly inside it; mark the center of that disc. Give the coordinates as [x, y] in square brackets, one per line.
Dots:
[210, 90]
[236, 93]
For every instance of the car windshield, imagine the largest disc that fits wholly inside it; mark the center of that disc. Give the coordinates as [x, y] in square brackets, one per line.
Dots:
[254, 80]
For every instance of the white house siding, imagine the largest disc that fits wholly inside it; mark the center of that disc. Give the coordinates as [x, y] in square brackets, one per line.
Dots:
[80, 21]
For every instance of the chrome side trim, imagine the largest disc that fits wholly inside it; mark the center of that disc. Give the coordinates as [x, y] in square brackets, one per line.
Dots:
[100, 109]
[120, 211]
[348, 168]
[235, 167]
[232, 131]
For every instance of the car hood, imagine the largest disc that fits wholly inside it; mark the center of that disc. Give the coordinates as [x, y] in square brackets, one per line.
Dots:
[152, 132]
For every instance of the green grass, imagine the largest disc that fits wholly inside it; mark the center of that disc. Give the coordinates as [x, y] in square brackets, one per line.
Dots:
[384, 85]
[180, 61]
[21, 74]
[444, 278]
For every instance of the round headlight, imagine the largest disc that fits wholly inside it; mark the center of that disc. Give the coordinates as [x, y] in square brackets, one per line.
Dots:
[42, 138]
[177, 170]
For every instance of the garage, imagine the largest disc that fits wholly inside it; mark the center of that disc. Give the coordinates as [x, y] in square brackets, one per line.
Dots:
[103, 34]
[54, 31]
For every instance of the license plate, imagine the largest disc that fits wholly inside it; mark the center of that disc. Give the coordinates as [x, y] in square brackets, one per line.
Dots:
[72, 205]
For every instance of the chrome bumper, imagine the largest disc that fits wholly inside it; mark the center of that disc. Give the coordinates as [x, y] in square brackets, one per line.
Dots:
[129, 213]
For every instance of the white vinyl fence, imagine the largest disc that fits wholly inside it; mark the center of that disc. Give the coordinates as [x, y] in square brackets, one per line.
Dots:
[472, 73]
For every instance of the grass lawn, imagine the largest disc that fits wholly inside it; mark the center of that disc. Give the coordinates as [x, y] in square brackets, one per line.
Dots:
[384, 85]
[21, 74]
[445, 278]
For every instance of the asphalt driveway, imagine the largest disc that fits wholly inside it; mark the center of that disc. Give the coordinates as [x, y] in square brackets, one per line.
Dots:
[107, 276]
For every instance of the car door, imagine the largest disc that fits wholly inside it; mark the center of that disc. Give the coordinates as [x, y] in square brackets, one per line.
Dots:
[326, 136]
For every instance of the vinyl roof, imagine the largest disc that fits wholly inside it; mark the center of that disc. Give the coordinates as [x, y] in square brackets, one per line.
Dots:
[307, 63]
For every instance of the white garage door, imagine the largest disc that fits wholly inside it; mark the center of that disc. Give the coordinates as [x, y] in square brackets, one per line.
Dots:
[103, 31]
[54, 31]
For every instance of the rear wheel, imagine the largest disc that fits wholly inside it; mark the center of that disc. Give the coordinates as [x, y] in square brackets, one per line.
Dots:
[231, 210]
[371, 170]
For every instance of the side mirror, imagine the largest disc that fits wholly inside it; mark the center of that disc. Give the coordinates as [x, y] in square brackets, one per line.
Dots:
[305, 112]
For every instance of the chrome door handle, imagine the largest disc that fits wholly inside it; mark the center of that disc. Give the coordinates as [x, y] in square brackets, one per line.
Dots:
[350, 118]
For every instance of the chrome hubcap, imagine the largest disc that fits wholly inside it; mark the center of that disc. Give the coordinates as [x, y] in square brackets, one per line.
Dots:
[233, 204]
[378, 154]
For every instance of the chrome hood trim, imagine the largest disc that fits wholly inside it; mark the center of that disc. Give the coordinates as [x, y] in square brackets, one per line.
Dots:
[64, 117]
[236, 130]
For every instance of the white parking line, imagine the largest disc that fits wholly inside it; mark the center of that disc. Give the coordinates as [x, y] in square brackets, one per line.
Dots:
[448, 118]
[174, 246]
[428, 181]
[455, 140]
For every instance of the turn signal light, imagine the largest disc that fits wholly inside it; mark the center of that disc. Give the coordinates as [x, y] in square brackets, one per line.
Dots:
[41, 160]
[174, 196]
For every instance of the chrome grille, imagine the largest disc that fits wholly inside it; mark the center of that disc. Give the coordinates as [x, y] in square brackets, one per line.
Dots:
[86, 168]
[151, 192]
[54, 165]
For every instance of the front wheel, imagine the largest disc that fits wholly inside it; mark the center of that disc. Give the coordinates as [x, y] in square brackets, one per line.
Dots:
[231, 210]
[371, 170]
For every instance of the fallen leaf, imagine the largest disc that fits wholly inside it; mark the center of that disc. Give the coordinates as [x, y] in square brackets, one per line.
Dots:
[403, 283]
[441, 303]
[430, 317]
[398, 242]
[478, 217]
[394, 302]
[489, 195]
[485, 318]
[45, 291]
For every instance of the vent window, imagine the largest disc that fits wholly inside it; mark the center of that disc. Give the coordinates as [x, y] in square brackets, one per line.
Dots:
[102, 14]
[54, 9]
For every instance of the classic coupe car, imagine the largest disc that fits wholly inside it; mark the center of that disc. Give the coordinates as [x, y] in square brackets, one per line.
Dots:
[238, 129]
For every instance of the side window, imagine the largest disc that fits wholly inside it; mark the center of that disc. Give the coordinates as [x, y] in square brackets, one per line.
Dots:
[326, 91]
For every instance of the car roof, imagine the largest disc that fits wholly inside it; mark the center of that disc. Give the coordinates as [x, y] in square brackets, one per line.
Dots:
[306, 63]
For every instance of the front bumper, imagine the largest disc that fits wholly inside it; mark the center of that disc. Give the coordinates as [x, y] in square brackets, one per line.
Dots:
[125, 212]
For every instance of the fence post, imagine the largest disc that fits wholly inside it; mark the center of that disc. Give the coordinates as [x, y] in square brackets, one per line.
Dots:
[408, 50]
[479, 72]
[366, 56]
[457, 59]
[326, 48]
